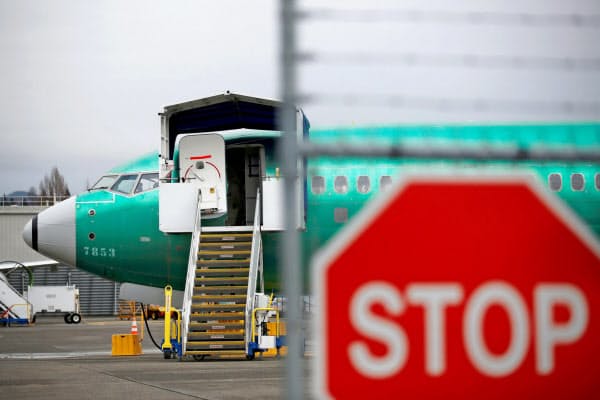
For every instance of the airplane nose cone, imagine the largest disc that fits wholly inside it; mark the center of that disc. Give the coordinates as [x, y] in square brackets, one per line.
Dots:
[52, 232]
[27, 234]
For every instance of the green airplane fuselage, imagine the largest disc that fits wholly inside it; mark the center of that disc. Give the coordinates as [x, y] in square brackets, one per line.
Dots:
[118, 235]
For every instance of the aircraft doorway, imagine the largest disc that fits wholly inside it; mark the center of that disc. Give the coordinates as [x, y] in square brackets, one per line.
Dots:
[245, 169]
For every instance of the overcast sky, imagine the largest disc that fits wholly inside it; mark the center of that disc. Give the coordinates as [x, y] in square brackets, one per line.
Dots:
[82, 82]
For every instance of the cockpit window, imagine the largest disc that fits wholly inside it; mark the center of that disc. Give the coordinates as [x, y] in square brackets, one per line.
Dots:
[147, 182]
[105, 182]
[125, 184]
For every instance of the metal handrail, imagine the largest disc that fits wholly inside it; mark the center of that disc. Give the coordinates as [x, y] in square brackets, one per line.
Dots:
[18, 295]
[277, 321]
[10, 309]
[30, 201]
[191, 274]
[255, 267]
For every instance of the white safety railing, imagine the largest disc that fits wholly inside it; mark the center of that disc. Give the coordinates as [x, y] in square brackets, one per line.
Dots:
[30, 201]
[12, 303]
[256, 266]
[191, 274]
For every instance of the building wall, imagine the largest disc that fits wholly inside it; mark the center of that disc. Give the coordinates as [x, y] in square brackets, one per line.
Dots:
[12, 221]
[97, 296]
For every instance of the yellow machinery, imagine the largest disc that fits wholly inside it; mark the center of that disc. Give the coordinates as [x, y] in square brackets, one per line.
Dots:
[171, 347]
[129, 344]
[127, 309]
[263, 339]
[126, 345]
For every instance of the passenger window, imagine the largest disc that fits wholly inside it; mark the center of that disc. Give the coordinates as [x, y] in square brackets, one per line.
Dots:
[105, 182]
[147, 182]
[577, 182]
[555, 182]
[385, 182]
[340, 215]
[363, 184]
[318, 184]
[341, 184]
[597, 181]
[125, 184]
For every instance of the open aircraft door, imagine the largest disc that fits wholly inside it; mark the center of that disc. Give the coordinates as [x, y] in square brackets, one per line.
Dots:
[274, 207]
[198, 167]
[194, 125]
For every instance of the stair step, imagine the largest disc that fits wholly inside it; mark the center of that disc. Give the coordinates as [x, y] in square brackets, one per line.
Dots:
[221, 254]
[218, 307]
[221, 316]
[237, 298]
[222, 271]
[215, 336]
[221, 280]
[216, 326]
[230, 353]
[224, 263]
[220, 290]
[225, 237]
[225, 246]
[216, 345]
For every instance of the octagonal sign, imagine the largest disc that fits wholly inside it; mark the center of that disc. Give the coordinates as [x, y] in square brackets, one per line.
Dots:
[460, 286]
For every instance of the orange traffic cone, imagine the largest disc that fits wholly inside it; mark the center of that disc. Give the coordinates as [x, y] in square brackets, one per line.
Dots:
[134, 330]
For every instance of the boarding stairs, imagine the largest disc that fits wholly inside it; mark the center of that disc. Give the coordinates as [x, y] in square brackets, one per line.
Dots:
[14, 308]
[225, 263]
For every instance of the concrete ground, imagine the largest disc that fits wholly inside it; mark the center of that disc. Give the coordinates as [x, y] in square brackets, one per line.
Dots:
[53, 360]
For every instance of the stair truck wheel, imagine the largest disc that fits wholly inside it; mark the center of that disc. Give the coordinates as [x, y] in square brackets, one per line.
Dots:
[68, 318]
[75, 318]
[167, 354]
[199, 357]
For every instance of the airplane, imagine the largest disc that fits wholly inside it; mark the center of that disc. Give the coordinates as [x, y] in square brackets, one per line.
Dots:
[134, 225]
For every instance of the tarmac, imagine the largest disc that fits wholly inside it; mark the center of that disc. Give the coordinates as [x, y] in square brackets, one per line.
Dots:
[54, 360]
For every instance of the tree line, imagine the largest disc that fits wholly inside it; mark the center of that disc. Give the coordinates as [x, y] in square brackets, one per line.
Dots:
[52, 186]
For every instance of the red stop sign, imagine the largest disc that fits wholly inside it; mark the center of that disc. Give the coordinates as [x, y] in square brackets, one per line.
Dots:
[466, 287]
